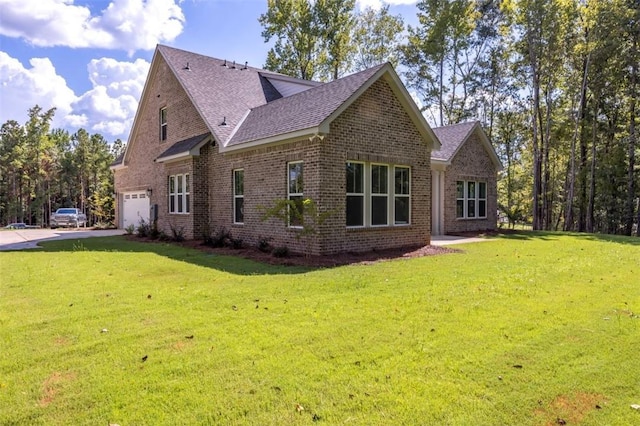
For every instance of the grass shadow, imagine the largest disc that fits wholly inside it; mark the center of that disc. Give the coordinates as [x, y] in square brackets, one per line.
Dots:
[247, 261]
[224, 263]
[524, 235]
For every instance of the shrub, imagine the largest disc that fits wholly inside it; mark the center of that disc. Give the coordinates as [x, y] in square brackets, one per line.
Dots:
[282, 251]
[143, 229]
[264, 245]
[220, 238]
[154, 232]
[177, 233]
[129, 229]
[236, 243]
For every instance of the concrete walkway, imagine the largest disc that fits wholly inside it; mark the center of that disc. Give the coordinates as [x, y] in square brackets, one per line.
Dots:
[445, 240]
[20, 239]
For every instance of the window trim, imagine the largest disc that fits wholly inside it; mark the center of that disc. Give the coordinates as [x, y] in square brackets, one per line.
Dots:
[476, 199]
[402, 195]
[369, 195]
[384, 195]
[163, 124]
[296, 195]
[237, 196]
[180, 195]
[362, 194]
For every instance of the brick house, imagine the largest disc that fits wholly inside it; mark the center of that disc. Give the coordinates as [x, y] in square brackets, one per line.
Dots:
[464, 180]
[214, 142]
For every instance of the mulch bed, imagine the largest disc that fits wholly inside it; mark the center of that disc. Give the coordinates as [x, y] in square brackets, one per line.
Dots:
[324, 261]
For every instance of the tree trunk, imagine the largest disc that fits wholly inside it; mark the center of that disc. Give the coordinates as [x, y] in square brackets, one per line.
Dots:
[629, 205]
[582, 108]
[590, 219]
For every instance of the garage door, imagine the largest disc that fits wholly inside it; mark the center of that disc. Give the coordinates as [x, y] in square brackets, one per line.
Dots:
[135, 207]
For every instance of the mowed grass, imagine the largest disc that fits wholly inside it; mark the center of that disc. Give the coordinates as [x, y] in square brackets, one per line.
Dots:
[528, 329]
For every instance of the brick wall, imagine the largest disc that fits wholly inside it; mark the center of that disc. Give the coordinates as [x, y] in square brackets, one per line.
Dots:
[183, 121]
[375, 128]
[471, 163]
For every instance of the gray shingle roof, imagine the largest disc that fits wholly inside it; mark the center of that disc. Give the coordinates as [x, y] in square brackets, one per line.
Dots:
[118, 161]
[451, 138]
[301, 111]
[184, 146]
[217, 91]
[254, 111]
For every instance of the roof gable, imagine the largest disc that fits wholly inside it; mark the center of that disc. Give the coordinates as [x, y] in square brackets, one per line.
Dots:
[242, 107]
[311, 112]
[454, 136]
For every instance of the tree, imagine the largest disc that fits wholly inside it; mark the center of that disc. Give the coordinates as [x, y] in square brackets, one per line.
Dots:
[438, 58]
[313, 38]
[377, 38]
[297, 47]
[336, 21]
[43, 169]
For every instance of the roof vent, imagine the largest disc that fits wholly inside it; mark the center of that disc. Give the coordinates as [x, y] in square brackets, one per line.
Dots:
[224, 121]
[187, 67]
[225, 63]
[245, 66]
[233, 67]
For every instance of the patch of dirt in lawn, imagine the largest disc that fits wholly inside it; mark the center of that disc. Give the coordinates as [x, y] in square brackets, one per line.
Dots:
[570, 409]
[52, 385]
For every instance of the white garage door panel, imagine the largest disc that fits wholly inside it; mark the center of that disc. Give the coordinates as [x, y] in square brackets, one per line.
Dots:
[135, 207]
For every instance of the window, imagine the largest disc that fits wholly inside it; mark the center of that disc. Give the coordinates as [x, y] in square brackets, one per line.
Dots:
[295, 192]
[163, 124]
[471, 199]
[179, 193]
[402, 195]
[355, 194]
[238, 196]
[383, 191]
[379, 195]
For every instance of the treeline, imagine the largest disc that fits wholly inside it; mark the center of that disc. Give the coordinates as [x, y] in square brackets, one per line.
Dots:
[43, 169]
[554, 82]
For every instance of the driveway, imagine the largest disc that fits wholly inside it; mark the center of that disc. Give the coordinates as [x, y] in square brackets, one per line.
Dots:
[20, 239]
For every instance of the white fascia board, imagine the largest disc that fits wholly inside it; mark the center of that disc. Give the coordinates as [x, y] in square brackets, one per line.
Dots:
[273, 140]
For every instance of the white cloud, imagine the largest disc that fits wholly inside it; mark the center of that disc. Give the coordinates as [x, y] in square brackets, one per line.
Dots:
[377, 4]
[125, 24]
[22, 88]
[111, 104]
[108, 108]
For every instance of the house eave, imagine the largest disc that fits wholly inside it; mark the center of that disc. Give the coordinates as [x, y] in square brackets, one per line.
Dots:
[117, 167]
[274, 140]
[439, 164]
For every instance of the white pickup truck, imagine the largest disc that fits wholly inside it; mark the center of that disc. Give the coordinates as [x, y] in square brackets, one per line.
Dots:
[68, 217]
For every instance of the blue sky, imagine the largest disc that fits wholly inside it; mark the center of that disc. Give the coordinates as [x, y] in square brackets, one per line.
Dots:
[90, 58]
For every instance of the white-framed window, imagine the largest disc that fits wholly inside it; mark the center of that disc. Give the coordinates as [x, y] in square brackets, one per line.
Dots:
[355, 194]
[295, 191]
[179, 193]
[402, 195]
[377, 194]
[471, 199]
[163, 124]
[238, 196]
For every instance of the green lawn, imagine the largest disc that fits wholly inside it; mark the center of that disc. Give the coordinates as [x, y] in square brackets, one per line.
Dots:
[523, 330]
